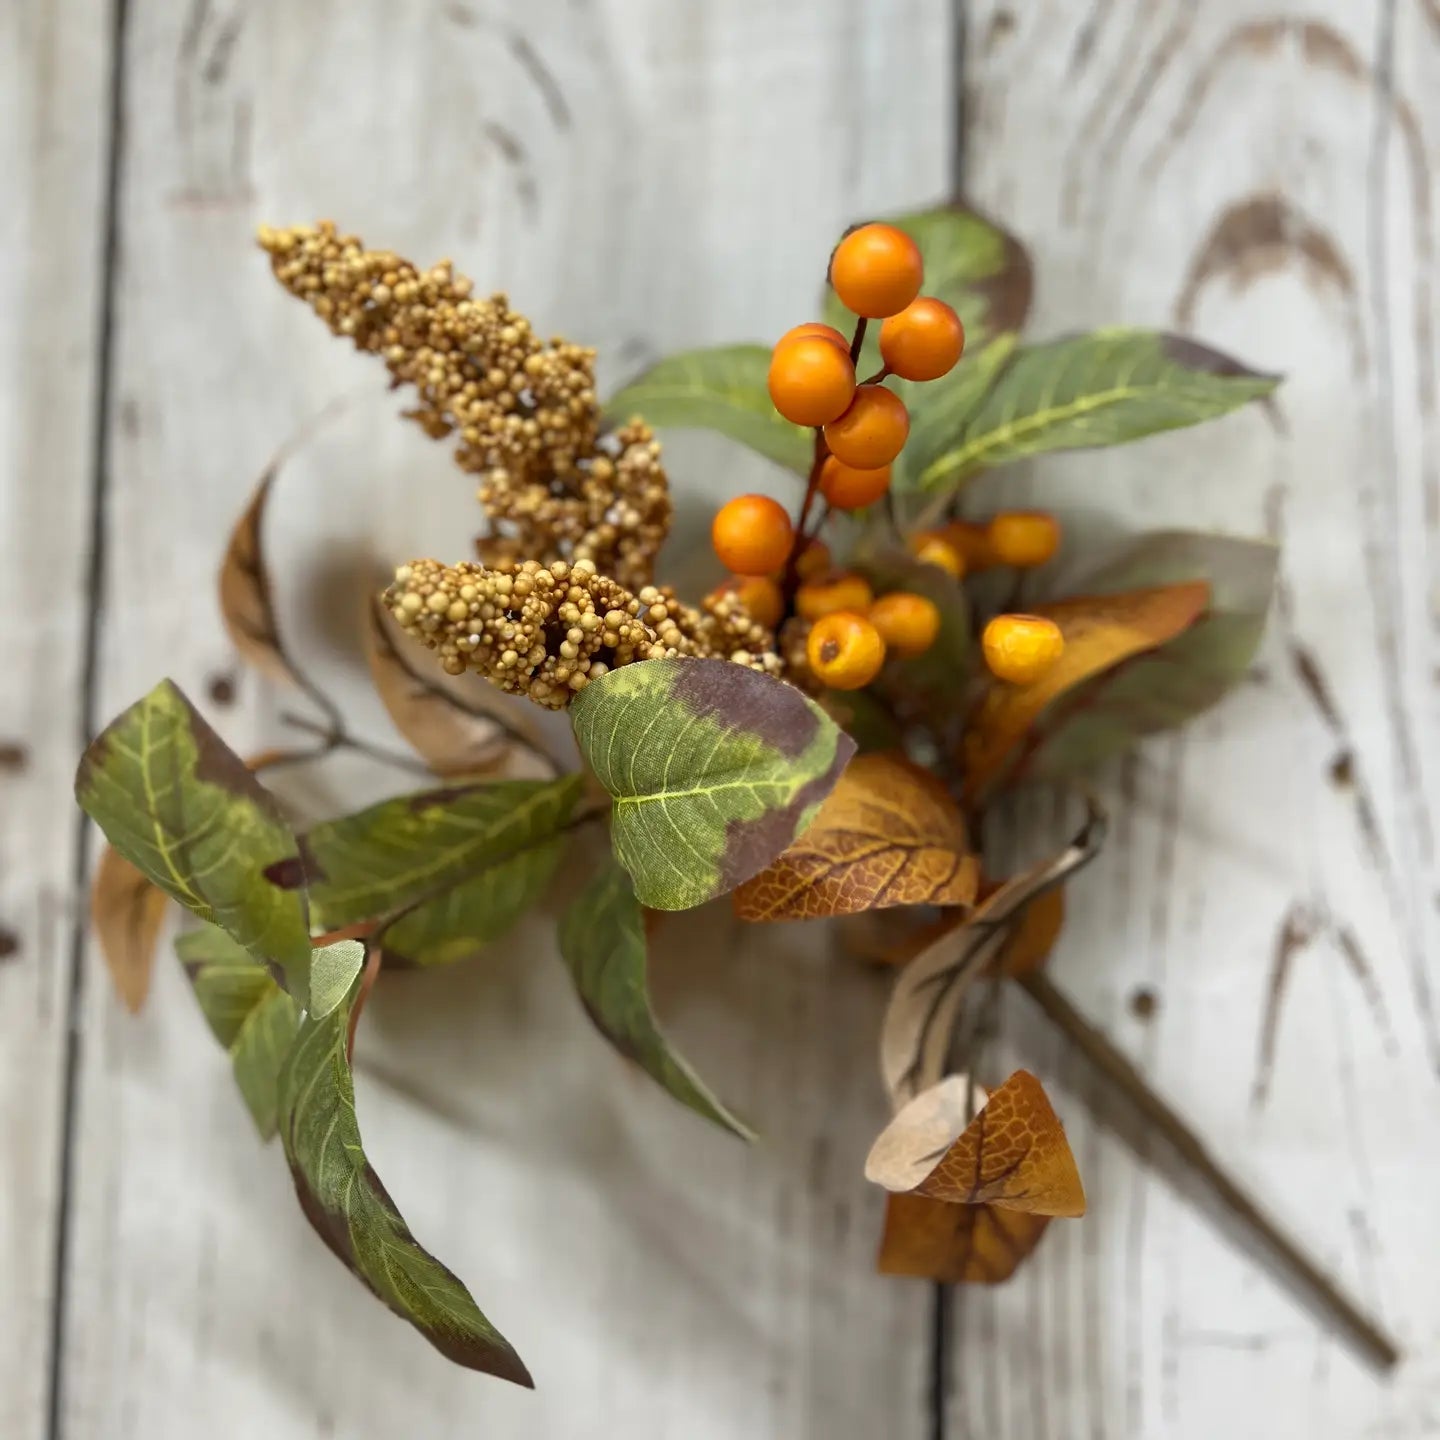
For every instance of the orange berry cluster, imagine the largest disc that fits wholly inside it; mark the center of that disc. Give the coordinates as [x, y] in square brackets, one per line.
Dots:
[852, 631]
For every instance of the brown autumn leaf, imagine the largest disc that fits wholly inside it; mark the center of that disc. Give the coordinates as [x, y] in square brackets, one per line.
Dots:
[1011, 1152]
[888, 834]
[456, 735]
[1101, 632]
[955, 1244]
[127, 910]
[246, 604]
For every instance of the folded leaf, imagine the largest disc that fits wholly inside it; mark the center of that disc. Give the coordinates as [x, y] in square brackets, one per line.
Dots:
[181, 806]
[333, 969]
[127, 910]
[956, 1244]
[889, 834]
[1104, 388]
[1012, 1154]
[1101, 631]
[1172, 684]
[714, 770]
[722, 389]
[344, 1200]
[602, 939]
[410, 850]
[248, 1013]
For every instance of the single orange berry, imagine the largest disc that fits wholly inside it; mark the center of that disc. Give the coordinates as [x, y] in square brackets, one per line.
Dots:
[812, 380]
[845, 650]
[815, 328]
[1021, 649]
[908, 624]
[814, 560]
[872, 432]
[830, 593]
[752, 535]
[847, 488]
[760, 595]
[1023, 538]
[923, 341]
[876, 270]
[930, 547]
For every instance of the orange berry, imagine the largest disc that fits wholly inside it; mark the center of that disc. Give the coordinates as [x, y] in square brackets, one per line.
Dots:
[814, 560]
[1022, 648]
[845, 650]
[876, 270]
[872, 432]
[760, 595]
[812, 380]
[1023, 538]
[908, 624]
[930, 547]
[970, 542]
[752, 535]
[847, 488]
[815, 327]
[831, 593]
[923, 341]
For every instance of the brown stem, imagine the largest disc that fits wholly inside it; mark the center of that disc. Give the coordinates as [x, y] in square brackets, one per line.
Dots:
[360, 930]
[1343, 1312]
[367, 984]
[812, 486]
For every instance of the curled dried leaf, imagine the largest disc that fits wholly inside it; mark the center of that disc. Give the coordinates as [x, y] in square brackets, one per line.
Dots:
[888, 834]
[1036, 929]
[127, 910]
[956, 1244]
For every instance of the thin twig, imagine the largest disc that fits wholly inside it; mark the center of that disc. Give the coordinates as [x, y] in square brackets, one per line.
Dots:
[1345, 1314]
[343, 740]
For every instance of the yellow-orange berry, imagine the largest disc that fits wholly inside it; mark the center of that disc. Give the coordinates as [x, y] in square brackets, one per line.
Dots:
[1024, 538]
[872, 431]
[752, 535]
[876, 270]
[760, 595]
[845, 650]
[930, 547]
[1021, 649]
[847, 488]
[815, 327]
[812, 380]
[923, 341]
[830, 593]
[908, 624]
[814, 560]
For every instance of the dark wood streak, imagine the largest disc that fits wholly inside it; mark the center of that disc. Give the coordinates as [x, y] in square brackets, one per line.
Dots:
[1297, 930]
[517, 159]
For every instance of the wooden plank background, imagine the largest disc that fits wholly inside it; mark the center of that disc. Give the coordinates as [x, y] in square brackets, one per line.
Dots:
[644, 175]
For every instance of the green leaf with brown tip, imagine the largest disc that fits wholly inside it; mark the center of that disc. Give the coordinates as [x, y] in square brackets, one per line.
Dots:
[248, 1013]
[180, 805]
[344, 1199]
[714, 770]
[602, 939]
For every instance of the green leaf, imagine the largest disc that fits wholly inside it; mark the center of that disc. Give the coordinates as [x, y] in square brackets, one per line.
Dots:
[714, 769]
[248, 1013]
[602, 939]
[1167, 687]
[721, 389]
[1105, 388]
[180, 805]
[411, 849]
[344, 1200]
[333, 969]
[469, 916]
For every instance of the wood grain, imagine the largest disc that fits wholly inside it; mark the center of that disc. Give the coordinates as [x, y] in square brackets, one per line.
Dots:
[1261, 174]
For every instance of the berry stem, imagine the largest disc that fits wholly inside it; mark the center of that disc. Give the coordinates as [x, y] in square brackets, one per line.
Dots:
[790, 583]
[858, 342]
[881, 374]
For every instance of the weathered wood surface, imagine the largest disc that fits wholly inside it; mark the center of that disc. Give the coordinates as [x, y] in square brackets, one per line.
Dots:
[1258, 173]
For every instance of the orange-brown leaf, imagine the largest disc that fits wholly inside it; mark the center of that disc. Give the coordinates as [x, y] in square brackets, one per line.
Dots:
[955, 1244]
[246, 604]
[1101, 631]
[1037, 928]
[127, 911]
[888, 834]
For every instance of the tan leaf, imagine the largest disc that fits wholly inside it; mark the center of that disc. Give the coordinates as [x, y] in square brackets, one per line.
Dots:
[955, 1244]
[1012, 1154]
[456, 735]
[1101, 632]
[246, 604]
[127, 911]
[888, 834]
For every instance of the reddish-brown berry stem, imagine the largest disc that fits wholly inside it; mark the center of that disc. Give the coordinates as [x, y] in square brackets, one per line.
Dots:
[791, 581]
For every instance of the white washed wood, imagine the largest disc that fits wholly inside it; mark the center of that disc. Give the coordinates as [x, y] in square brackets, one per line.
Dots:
[1117, 139]
[659, 1278]
[50, 243]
